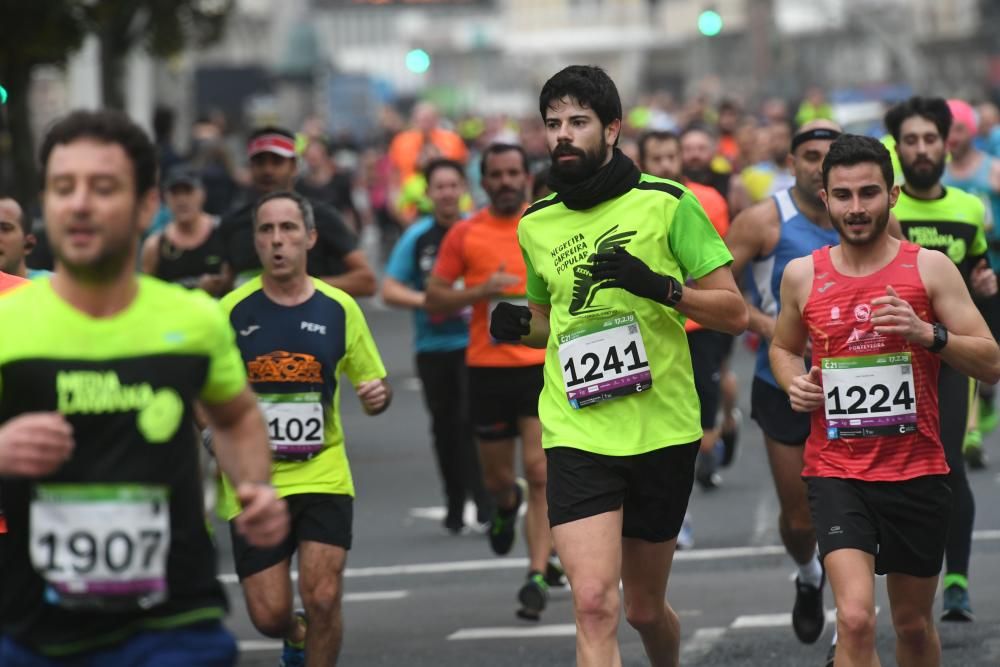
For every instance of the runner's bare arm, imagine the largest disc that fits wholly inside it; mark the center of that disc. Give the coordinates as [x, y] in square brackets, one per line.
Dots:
[750, 236]
[445, 298]
[788, 346]
[539, 336]
[971, 349]
[150, 254]
[715, 302]
[395, 293]
[358, 279]
[240, 438]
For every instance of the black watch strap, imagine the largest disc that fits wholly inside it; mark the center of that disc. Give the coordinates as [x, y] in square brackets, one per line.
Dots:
[940, 338]
[675, 291]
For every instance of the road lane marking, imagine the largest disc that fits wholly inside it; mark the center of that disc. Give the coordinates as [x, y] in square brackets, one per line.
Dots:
[782, 620]
[700, 644]
[254, 645]
[487, 564]
[514, 632]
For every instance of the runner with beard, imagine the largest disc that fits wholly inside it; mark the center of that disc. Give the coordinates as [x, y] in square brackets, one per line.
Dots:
[660, 156]
[765, 238]
[880, 314]
[944, 218]
[606, 256]
[698, 157]
[504, 380]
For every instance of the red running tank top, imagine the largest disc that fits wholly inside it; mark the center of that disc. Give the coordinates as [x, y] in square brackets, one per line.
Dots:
[880, 419]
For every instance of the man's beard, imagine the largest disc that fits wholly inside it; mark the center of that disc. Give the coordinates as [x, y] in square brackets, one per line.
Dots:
[922, 180]
[573, 173]
[107, 266]
[700, 175]
[878, 226]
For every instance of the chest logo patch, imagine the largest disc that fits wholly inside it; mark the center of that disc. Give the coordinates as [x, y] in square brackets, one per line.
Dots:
[281, 366]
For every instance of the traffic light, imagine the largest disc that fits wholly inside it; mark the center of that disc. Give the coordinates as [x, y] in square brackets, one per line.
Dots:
[418, 61]
[3, 95]
[710, 23]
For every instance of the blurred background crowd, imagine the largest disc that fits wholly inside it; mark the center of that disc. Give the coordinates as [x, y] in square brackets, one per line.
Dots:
[375, 88]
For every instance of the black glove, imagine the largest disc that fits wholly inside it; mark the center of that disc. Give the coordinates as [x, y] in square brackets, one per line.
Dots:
[510, 322]
[628, 272]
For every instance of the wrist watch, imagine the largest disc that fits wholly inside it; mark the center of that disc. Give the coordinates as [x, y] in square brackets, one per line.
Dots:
[674, 291]
[940, 338]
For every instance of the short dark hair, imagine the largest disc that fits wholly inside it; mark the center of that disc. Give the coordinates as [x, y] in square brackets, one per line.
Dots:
[106, 126]
[848, 150]
[496, 149]
[443, 163]
[699, 127]
[25, 221]
[654, 135]
[934, 109]
[589, 85]
[305, 208]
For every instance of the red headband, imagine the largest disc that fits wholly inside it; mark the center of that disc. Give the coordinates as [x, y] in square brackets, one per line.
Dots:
[278, 144]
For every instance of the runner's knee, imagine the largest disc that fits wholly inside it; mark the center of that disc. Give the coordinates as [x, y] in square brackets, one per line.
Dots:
[597, 603]
[856, 623]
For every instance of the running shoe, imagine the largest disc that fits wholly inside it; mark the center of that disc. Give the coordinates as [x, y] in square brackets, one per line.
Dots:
[555, 575]
[808, 616]
[533, 596]
[706, 471]
[972, 449]
[989, 418]
[292, 654]
[956, 605]
[730, 439]
[685, 538]
[503, 529]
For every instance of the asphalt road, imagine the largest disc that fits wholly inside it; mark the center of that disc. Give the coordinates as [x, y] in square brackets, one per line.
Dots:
[416, 596]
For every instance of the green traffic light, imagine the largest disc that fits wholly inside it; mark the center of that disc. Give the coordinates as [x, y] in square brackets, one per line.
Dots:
[3, 95]
[709, 23]
[418, 61]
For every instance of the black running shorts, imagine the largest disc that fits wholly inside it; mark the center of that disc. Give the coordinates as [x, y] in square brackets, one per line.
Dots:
[903, 524]
[652, 488]
[708, 350]
[769, 407]
[500, 396]
[315, 517]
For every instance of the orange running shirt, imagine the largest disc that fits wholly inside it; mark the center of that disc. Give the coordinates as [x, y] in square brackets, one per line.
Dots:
[404, 151]
[717, 211]
[473, 250]
[7, 281]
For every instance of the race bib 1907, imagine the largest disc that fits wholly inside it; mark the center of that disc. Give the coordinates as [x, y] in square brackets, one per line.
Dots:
[101, 546]
[294, 424]
[603, 360]
[869, 396]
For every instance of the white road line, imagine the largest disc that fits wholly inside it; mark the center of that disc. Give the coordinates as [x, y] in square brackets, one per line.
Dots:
[700, 644]
[782, 620]
[252, 645]
[765, 520]
[487, 564]
[375, 596]
[559, 630]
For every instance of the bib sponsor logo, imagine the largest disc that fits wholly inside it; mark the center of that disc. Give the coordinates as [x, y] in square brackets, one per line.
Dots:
[281, 366]
[865, 341]
[101, 392]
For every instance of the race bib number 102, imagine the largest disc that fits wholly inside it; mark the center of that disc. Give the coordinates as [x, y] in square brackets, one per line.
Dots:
[869, 396]
[604, 360]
